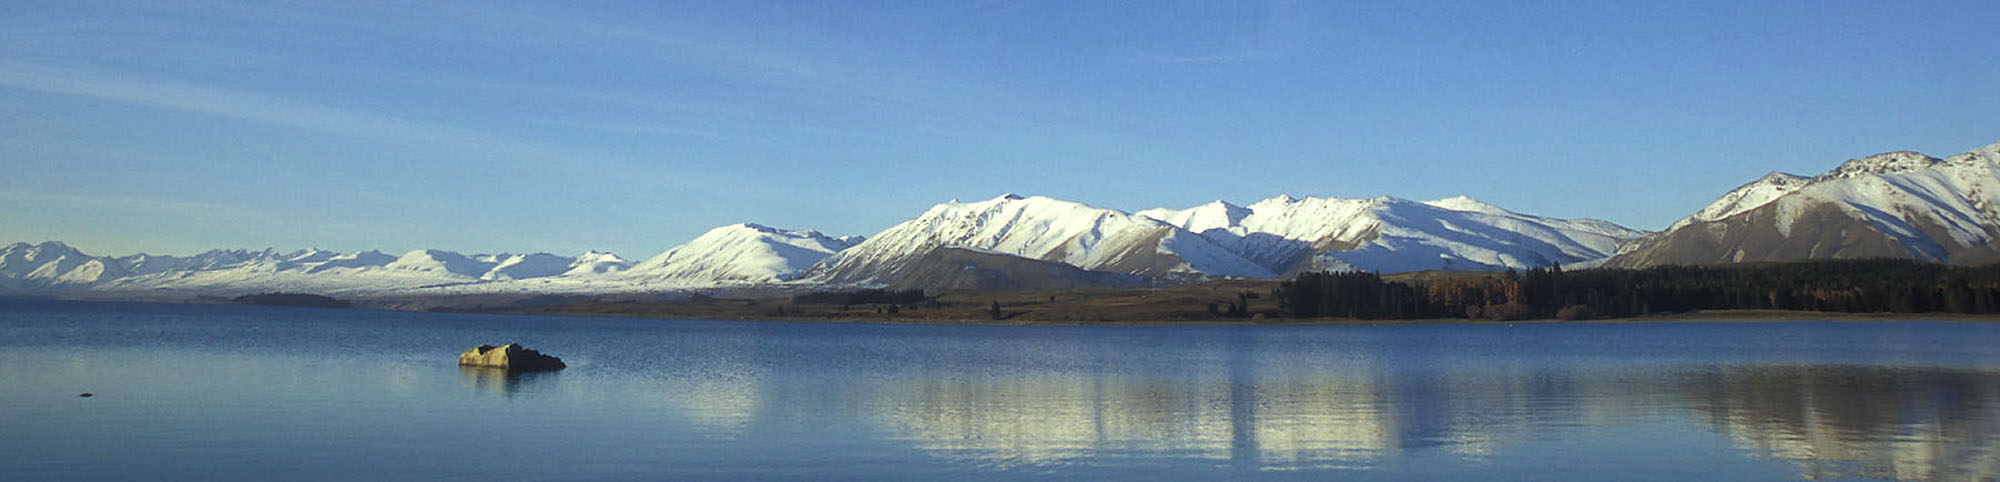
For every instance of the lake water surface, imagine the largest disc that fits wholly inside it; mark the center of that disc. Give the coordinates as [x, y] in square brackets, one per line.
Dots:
[207, 392]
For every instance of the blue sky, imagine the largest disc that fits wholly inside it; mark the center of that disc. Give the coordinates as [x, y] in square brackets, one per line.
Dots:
[174, 127]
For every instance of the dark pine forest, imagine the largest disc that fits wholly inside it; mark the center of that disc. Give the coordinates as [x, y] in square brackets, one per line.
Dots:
[1851, 286]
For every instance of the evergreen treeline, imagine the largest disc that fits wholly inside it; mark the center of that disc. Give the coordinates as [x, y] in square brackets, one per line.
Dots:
[861, 297]
[1882, 285]
[291, 299]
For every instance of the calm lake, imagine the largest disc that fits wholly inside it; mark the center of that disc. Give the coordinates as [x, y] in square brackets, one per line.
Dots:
[204, 392]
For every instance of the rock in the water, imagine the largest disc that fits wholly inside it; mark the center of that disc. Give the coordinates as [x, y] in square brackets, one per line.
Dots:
[509, 356]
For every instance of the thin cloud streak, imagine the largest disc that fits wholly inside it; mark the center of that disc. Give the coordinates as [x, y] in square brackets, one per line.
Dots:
[471, 147]
[254, 107]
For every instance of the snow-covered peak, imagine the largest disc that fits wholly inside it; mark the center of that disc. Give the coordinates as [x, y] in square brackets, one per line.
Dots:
[1214, 215]
[1882, 183]
[1895, 204]
[523, 266]
[835, 243]
[738, 253]
[46, 261]
[1287, 233]
[1001, 200]
[750, 226]
[441, 262]
[37, 252]
[365, 259]
[313, 255]
[592, 263]
[1011, 224]
[1748, 196]
[1278, 201]
[1039, 228]
[227, 272]
[595, 256]
[808, 239]
[1310, 218]
[1982, 156]
[1467, 203]
[143, 263]
[1884, 163]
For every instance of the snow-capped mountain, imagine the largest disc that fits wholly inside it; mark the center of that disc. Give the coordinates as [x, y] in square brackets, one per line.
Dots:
[1386, 234]
[1214, 215]
[443, 264]
[525, 266]
[1898, 204]
[1037, 228]
[730, 255]
[228, 272]
[738, 253]
[1268, 239]
[592, 263]
[53, 267]
[54, 264]
[1746, 197]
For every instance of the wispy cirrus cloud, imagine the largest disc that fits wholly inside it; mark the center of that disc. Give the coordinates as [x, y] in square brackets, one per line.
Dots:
[450, 147]
[253, 107]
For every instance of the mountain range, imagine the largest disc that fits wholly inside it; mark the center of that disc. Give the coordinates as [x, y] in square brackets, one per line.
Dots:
[1898, 204]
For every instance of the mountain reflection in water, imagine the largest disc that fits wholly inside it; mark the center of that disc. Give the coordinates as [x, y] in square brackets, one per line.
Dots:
[1242, 407]
[224, 392]
[1844, 421]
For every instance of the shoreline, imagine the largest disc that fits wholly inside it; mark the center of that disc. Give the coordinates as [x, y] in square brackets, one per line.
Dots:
[950, 317]
[1701, 316]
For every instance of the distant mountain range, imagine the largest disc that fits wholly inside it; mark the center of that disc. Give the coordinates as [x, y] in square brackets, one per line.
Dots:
[1899, 204]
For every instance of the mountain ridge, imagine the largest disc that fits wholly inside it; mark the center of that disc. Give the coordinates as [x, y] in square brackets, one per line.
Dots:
[1899, 204]
[1895, 204]
[1126, 246]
